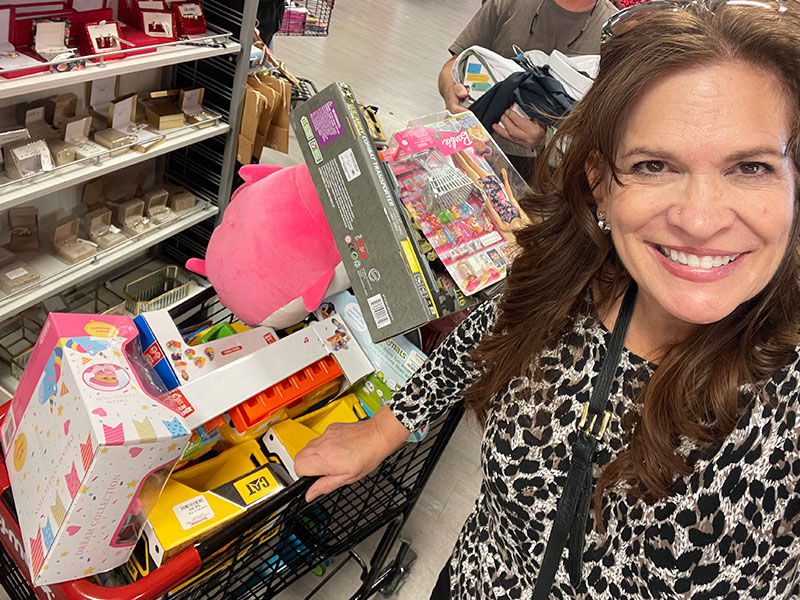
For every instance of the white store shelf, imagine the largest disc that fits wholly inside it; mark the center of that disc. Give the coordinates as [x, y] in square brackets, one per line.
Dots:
[57, 275]
[169, 55]
[8, 383]
[24, 190]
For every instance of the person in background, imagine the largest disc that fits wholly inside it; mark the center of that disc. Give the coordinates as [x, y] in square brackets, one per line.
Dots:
[570, 26]
[638, 378]
[269, 18]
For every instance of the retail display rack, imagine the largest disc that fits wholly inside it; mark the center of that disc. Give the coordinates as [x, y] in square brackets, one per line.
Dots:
[202, 159]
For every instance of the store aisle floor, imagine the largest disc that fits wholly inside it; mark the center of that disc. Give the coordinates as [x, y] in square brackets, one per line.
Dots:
[390, 52]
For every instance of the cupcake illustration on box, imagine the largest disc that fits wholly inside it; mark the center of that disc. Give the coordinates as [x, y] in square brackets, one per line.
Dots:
[106, 377]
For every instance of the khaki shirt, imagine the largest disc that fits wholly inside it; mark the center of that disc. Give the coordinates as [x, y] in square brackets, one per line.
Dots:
[499, 24]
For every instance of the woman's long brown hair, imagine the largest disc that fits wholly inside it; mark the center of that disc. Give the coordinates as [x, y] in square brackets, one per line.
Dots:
[694, 392]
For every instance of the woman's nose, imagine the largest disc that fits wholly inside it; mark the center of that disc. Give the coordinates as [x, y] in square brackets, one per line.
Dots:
[702, 208]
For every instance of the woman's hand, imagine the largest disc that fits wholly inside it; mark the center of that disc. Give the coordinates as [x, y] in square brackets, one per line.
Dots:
[346, 452]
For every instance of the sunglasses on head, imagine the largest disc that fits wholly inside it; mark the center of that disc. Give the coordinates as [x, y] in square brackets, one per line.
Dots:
[631, 16]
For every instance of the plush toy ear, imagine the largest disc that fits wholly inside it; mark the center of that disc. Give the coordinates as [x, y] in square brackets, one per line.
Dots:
[251, 173]
[196, 265]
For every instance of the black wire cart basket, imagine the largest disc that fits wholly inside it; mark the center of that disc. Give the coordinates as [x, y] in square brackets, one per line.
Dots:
[307, 17]
[270, 546]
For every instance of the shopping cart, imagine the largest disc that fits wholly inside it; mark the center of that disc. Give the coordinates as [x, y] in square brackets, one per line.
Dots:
[307, 17]
[276, 542]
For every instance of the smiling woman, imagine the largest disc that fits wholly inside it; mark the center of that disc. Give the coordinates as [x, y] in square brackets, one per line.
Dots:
[670, 223]
[701, 212]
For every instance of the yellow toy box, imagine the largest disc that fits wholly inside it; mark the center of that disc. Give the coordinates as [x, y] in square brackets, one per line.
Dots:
[198, 500]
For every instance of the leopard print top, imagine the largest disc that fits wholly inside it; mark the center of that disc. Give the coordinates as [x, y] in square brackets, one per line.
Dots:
[729, 530]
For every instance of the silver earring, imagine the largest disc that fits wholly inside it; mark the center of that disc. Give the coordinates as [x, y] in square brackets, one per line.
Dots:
[601, 222]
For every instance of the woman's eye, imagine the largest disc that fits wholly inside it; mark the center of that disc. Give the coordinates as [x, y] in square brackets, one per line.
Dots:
[650, 167]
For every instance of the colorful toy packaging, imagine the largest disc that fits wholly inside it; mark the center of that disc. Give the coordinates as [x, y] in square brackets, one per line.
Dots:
[176, 361]
[199, 500]
[395, 360]
[88, 447]
[205, 398]
[388, 270]
[463, 192]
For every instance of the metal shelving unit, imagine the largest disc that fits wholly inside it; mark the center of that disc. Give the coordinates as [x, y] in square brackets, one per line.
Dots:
[215, 44]
[57, 275]
[19, 191]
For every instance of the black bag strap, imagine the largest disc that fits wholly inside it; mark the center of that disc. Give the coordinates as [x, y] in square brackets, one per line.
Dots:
[573, 509]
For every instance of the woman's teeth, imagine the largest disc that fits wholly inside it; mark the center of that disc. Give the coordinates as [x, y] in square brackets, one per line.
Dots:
[694, 261]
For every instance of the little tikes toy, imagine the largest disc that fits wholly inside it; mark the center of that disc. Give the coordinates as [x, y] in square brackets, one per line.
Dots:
[273, 259]
[88, 446]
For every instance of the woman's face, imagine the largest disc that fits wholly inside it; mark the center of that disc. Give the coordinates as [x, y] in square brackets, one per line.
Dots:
[702, 219]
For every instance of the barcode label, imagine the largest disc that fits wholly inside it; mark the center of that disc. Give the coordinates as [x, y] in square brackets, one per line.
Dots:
[193, 512]
[379, 312]
[349, 164]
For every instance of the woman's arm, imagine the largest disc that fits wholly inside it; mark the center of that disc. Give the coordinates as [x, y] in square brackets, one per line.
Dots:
[347, 452]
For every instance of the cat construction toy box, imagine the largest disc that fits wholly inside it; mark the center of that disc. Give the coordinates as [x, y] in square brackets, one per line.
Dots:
[88, 447]
[394, 285]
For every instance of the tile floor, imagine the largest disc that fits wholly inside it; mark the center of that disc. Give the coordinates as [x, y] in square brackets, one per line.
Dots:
[390, 52]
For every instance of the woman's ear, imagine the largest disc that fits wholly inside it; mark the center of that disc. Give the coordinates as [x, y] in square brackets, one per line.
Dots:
[594, 175]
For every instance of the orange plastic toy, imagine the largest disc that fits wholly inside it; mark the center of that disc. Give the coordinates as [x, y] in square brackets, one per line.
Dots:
[285, 394]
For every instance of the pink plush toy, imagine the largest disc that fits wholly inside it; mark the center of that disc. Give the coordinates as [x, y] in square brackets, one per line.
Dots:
[273, 258]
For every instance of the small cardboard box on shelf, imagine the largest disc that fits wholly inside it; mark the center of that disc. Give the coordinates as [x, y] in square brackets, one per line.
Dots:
[26, 158]
[97, 225]
[63, 152]
[95, 194]
[9, 136]
[12, 60]
[180, 198]
[62, 108]
[104, 38]
[50, 37]
[76, 132]
[162, 113]
[100, 93]
[17, 275]
[24, 224]
[66, 243]
[129, 216]
[191, 103]
[155, 205]
[189, 18]
[159, 24]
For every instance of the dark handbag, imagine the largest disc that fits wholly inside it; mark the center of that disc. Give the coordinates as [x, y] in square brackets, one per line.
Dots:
[573, 509]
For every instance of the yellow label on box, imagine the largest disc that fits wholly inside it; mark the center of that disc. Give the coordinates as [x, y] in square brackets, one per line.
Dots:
[256, 486]
[478, 77]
